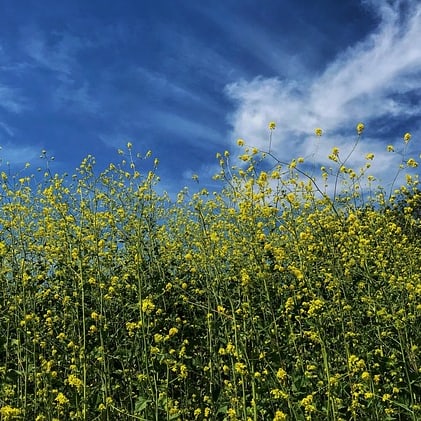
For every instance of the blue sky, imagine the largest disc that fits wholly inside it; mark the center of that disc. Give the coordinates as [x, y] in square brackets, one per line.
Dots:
[187, 78]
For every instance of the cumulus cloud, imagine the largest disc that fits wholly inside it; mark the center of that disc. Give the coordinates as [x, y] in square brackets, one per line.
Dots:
[377, 79]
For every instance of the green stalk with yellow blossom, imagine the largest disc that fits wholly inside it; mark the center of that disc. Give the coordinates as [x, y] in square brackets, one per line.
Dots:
[264, 299]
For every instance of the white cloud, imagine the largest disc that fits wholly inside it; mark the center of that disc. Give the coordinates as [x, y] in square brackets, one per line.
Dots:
[10, 99]
[7, 129]
[56, 54]
[17, 155]
[373, 79]
[192, 132]
[75, 99]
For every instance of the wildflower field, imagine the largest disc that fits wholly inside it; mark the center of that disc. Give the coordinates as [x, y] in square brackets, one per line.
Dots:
[282, 296]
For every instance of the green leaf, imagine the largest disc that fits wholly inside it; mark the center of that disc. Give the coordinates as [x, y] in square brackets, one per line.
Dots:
[141, 404]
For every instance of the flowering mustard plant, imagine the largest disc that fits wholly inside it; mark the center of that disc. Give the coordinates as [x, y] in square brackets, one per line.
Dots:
[270, 298]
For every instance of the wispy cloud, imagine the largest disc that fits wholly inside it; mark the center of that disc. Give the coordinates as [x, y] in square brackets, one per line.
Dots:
[53, 51]
[75, 98]
[7, 129]
[192, 132]
[377, 79]
[277, 52]
[18, 155]
[11, 100]
[59, 53]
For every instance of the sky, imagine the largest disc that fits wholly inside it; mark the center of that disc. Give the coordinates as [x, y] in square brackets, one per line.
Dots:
[186, 78]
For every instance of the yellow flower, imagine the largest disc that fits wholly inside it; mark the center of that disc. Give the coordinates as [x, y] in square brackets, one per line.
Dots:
[296, 272]
[279, 394]
[360, 128]
[61, 336]
[369, 156]
[213, 236]
[244, 157]
[281, 374]
[407, 137]
[94, 315]
[291, 197]
[173, 331]
[240, 368]
[61, 399]
[231, 413]
[240, 142]
[386, 397]
[365, 375]
[307, 403]
[245, 278]
[183, 371]
[272, 125]
[74, 381]
[412, 163]
[280, 416]
[147, 306]
[8, 413]
[318, 131]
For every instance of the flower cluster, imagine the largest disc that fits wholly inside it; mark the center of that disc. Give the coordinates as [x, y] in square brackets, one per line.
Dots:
[266, 299]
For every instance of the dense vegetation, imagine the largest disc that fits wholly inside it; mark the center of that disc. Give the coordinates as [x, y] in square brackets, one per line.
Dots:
[279, 297]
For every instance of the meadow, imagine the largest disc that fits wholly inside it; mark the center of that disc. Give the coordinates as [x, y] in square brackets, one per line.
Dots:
[281, 296]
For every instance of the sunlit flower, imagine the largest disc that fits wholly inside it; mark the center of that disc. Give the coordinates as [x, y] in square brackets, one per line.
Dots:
[61, 399]
[183, 371]
[7, 412]
[173, 331]
[280, 416]
[365, 375]
[386, 397]
[94, 315]
[360, 128]
[281, 374]
[74, 381]
[272, 125]
[147, 306]
[240, 367]
[407, 137]
[318, 131]
[412, 163]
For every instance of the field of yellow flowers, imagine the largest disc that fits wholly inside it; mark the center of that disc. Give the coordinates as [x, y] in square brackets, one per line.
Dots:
[279, 297]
